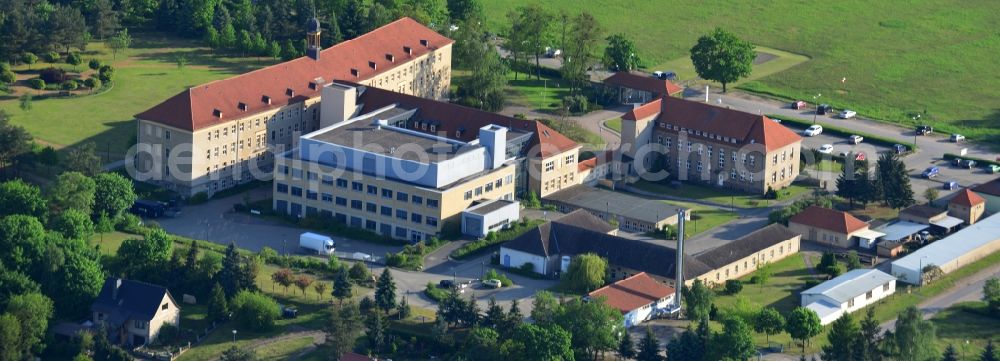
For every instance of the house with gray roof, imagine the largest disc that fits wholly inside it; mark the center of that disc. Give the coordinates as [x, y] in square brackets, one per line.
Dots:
[133, 312]
[847, 293]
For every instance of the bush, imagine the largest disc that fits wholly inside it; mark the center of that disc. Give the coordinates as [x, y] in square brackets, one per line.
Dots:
[52, 57]
[434, 292]
[359, 274]
[53, 75]
[7, 76]
[527, 267]
[129, 223]
[198, 198]
[70, 85]
[106, 73]
[92, 83]
[36, 83]
[254, 310]
[168, 334]
[94, 64]
[734, 286]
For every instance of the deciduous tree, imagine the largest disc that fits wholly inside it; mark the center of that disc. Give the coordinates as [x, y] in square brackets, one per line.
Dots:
[698, 300]
[113, 194]
[255, 310]
[736, 340]
[721, 56]
[18, 197]
[914, 338]
[72, 190]
[120, 42]
[991, 295]
[621, 54]
[803, 324]
[344, 328]
[769, 322]
[586, 273]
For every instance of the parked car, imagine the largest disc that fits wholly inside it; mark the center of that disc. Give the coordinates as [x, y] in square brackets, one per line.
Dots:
[859, 156]
[950, 185]
[899, 148]
[822, 109]
[826, 149]
[665, 75]
[799, 104]
[930, 172]
[847, 114]
[924, 129]
[957, 137]
[813, 130]
[552, 53]
[968, 164]
[855, 139]
[289, 311]
[492, 283]
[993, 168]
[446, 284]
[956, 162]
[148, 208]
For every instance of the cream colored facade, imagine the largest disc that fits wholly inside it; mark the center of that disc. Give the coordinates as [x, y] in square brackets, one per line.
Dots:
[970, 215]
[751, 263]
[167, 314]
[825, 236]
[222, 156]
[554, 173]
[389, 207]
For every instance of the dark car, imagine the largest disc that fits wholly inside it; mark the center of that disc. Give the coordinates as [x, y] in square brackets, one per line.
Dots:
[446, 284]
[148, 209]
[930, 172]
[924, 129]
[968, 164]
[822, 109]
[950, 185]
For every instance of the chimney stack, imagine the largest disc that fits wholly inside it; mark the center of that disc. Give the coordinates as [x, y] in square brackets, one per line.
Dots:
[118, 285]
[679, 263]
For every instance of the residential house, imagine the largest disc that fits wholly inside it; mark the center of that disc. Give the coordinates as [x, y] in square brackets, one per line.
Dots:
[847, 293]
[133, 312]
[967, 206]
[638, 297]
[832, 227]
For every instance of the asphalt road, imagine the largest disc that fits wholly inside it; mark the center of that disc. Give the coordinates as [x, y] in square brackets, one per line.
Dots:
[970, 289]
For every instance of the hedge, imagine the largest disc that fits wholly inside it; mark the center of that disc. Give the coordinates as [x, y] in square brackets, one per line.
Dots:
[982, 162]
[435, 293]
[870, 138]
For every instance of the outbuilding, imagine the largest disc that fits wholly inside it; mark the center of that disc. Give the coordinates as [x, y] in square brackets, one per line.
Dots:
[949, 254]
[833, 227]
[639, 297]
[847, 293]
[489, 216]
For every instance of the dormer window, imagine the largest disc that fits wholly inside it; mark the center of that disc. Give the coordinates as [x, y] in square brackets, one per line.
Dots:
[265, 99]
[313, 85]
[243, 106]
[433, 128]
[355, 72]
[390, 57]
[424, 42]
[371, 64]
[289, 92]
[216, 113]
[407, 50]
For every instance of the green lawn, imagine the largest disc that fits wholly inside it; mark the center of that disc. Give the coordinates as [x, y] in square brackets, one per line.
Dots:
[284, 349]
[899, 57]
[704, 218]
[146, 76]
[110, 242]
[718, 195]
[543, 95]
[828, 165]
[966, 321]
[614, 124]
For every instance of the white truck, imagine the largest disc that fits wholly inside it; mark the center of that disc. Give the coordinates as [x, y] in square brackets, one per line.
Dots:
[318, 243]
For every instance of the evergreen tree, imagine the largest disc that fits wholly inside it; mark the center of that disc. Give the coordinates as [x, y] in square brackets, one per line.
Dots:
[649, 347]
[289, 51]
[511, 321]
[376, 326]
[494, 315]
[914, 338]
[469, 315]
[385, 291]
[227, 36]
[403, 309]
[869, 338]
[331, 33]
[355, 19]
[341, 286]
[274, 49]
[688, 346]
[893, 182]
[842, 337]
[626, 348]
[344, 328]
[245, 43]
[237, 274]
[989, 353]
[949, 353]
[847, 183]
[218, 309]
[698, 299]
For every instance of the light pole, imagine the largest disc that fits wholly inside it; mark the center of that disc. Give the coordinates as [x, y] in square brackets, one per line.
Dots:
[234, 336]
[915, 123]
[921, 272]
[816, 101]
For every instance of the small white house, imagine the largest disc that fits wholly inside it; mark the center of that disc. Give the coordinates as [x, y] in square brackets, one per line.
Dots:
[847, 293]
[639, 298]
[489, 216]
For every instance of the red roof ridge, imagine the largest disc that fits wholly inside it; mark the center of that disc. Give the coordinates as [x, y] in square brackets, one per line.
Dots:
[633, 292]
[830, 219]
[966, 197]
[644, 111]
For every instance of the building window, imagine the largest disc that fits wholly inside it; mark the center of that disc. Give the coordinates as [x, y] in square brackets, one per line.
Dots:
[850, 303]
[386, 193]
[296, 191]
[312, 195]
[356, 204]
[402, 197]
[431, 221]
[570, 158]
[372, 190]
[401, 214]
[432, 203]
[341, 183]
[327, 180]
[416, 218]
[357, 186]
[371, 207]
[549, 166]
[140, 324]
[468, 195]
[386, 211]
[341, 201]
[489, 187]
[281, 187]
[479, 191]
[417, 199]
[327, 197]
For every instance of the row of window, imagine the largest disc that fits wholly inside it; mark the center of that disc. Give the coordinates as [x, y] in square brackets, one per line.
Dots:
[488, 187]
[356, 204]
[384, 228]
[385, 193]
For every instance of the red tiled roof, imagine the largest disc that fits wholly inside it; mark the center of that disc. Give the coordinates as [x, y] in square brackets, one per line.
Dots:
[452, 117]
[195, 108]
[633, 292]
[968, 198]
[644, 111]
[991, 188]
[744, 127]
[645, 82]
[591, 163]
[829, 219]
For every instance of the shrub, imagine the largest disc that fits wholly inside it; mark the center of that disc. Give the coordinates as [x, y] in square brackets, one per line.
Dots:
[434, 292]
[106, 73]
[254, 310]
[168, 334]
[70, 85]
[92, 83]
[129, 223]
[576, 104]
[198, 198]
[36, 83]
[94, 64]
[734, 286]
[492, 274]
[359, 274]
[527, 267]
[771, 193]
[52, 57]
[53, 75]
[7, 76]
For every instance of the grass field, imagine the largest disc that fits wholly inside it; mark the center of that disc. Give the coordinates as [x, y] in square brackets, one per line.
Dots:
[703, 218]
[145, 76]
[966, 321]
[899, 56]
[614, 124]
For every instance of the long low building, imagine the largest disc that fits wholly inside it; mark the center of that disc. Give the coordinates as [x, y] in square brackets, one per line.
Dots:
[633, 214]
[639, 297]
[959, 249]
[549, 248]
[847, 293]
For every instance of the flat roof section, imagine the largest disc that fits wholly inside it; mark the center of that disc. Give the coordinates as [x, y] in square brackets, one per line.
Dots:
[851, 284]
[901, 229]
[391, 141]
[602, 200]
[486, 207]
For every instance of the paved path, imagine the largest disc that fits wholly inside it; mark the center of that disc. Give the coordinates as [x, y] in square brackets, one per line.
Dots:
[968, 289]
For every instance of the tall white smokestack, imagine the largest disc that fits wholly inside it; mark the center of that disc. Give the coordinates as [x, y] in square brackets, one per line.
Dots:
[679, 263]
